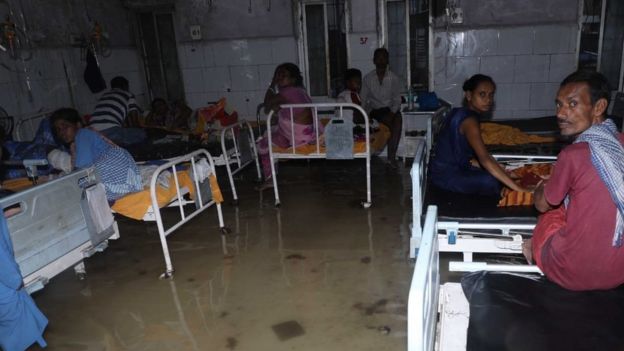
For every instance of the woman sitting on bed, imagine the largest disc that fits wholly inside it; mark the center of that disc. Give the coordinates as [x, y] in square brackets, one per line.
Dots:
[461, 163]
[114, 166]
[286, 88]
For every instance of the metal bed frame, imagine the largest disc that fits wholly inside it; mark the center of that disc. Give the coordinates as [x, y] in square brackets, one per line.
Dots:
[53, 229]
[318, 154]
[201, 203]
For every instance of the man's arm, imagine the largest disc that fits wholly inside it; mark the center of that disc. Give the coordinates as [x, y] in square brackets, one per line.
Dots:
[540, 199]
[132, 120]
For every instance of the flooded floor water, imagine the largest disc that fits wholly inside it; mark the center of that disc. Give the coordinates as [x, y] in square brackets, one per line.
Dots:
[318, 273]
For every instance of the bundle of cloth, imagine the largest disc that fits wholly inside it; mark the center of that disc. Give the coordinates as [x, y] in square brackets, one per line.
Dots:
[528, 177]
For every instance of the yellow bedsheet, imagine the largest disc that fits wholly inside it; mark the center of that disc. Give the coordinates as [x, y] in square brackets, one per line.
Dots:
[135, 205]
[377, 143]
[19, 184]
[498, 134]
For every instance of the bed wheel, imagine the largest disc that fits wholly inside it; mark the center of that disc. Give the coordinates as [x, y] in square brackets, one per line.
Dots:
[166, 275]
[366, 204]
[235, 202]
[225, 230]
[81, 276]
[277, 204]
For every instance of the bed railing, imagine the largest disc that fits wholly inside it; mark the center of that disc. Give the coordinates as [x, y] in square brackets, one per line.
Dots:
[243, 151]
[26, 126]
[422, 305]
[200, 203]
[52, 228]
[318, 154]
[419, 175]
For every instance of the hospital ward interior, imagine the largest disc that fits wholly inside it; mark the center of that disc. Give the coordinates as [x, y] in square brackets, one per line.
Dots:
[260, 175]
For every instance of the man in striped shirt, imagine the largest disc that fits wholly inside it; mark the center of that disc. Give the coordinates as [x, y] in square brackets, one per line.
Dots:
[116, 114]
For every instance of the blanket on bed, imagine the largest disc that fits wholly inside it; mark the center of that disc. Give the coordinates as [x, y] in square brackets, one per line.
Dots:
[528, 176]
[136, 205]
[377, 143]
[498, 134]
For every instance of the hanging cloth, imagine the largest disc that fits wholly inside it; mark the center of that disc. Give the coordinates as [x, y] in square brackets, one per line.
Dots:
[92, 74]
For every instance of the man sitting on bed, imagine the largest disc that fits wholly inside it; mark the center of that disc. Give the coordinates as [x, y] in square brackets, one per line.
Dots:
[577, 242]
[116, 115]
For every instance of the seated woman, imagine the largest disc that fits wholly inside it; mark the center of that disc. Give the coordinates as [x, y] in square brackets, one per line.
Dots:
[286, 88]
[115, 167]
[453, 166]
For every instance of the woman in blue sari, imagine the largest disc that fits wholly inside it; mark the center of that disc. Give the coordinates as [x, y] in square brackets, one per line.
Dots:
[115, 167]
[461, 162]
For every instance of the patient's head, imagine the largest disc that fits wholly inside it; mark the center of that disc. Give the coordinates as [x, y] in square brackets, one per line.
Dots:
[160, 107]
[65, 124]
[353, 79]
[479, 93]
[288, 75]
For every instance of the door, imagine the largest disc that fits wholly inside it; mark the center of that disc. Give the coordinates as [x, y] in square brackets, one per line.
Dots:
[160, 55]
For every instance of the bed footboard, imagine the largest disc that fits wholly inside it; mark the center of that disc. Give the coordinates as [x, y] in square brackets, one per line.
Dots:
[240, 153]
[52, 232]
[422, 305]
[316, 147]
[203, 198]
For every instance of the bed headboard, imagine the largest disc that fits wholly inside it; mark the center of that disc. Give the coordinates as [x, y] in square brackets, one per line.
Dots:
[27, 126]
[422, 305]
[419, 182]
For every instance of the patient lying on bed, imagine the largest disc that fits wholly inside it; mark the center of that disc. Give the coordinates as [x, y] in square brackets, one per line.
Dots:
[115, 167]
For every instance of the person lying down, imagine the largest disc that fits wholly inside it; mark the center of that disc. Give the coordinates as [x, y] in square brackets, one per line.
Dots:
[114, 166]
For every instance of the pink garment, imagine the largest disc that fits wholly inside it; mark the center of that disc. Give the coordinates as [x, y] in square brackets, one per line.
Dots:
[579, 255]
[282, 134]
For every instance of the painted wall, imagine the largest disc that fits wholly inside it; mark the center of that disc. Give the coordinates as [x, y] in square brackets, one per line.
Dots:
[53, 77]
[526, 60]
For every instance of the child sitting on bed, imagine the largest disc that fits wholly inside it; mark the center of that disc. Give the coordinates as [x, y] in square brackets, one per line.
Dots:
[114, 166]
[380, 133]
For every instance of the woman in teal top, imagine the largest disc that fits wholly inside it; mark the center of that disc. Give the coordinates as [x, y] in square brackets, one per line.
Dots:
[115, 167]
[461, 162]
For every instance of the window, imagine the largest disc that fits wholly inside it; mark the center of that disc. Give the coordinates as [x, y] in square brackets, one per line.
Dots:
[324, 44]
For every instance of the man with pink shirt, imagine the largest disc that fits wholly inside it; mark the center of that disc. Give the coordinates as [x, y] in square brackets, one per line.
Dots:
[577, 242]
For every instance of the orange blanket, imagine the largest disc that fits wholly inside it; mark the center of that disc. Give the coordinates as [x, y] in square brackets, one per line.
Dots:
[528, 176]
[498, 134]
[19, 184]
[377, 143]
[135, 205]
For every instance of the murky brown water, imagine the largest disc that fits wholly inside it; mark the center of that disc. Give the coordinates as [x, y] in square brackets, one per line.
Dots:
[316, 274]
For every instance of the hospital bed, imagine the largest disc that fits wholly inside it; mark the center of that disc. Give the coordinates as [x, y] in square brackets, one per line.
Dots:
[472, 211]
[58, 224]
[192, 181]
[427, 298]
[320, 151]
[235, 149]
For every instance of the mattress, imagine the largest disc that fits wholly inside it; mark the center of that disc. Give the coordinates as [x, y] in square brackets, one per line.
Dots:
[475, 208]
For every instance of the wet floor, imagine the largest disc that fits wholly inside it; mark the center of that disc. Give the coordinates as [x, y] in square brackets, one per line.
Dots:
[319, 273]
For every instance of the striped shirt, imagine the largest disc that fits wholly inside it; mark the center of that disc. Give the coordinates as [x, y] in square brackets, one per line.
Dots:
[112, 109]
[377, 95]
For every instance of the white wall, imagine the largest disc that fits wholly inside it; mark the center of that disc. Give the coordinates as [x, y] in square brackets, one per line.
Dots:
[526, 62]
[50, 85]
[239, 70]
